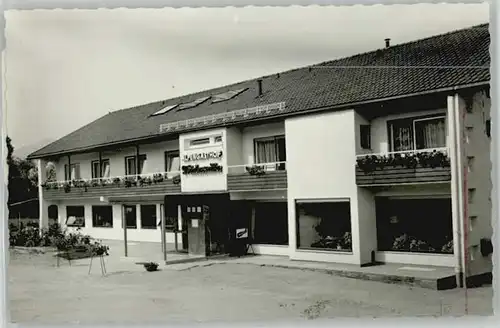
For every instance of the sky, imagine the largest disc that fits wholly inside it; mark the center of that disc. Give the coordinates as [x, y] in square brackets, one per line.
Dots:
[66, 68]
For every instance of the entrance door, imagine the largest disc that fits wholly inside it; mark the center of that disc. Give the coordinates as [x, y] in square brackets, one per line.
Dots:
[196, 233]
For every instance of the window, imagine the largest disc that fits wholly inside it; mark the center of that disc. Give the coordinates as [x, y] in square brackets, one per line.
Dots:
[170, 216]
[193, 103]
[74, 173]
[270, 150]
[53, 212]
[365, 136]
[105, 169]
[198, 142]
[271, 223]
[227, 95]
[130, 216]
[421, 133]
[164, 110]
[130, 167]
[148, 217]
[75, 216]
[414, 225]
[324, 225]
[102, 216]
[172, 161]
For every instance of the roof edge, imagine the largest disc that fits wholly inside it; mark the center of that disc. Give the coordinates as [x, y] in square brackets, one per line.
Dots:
[297, 113]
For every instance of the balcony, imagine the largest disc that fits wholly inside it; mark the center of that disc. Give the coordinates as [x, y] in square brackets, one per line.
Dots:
[257, 177]
[161, 183]
[405, 167]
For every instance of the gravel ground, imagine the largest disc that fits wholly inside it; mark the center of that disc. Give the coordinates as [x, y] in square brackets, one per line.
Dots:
[41, 293]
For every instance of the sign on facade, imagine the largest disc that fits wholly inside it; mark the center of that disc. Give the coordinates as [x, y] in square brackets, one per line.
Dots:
[241, 233]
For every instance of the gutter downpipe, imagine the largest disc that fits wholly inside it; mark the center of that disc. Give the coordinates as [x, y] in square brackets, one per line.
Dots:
[452, 127]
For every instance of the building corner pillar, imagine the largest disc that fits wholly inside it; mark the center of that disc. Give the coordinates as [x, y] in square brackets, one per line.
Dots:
[42, 203]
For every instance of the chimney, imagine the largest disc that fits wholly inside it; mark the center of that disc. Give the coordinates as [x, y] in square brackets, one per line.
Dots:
[259, 87]
[387, 43]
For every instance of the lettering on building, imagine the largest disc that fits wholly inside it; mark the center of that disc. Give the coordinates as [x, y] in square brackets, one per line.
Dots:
[203, 156]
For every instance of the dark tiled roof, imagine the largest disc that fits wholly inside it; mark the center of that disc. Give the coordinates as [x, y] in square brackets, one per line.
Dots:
[443, 61]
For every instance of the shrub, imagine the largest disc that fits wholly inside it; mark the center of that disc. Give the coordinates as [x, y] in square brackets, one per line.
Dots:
[57, 237]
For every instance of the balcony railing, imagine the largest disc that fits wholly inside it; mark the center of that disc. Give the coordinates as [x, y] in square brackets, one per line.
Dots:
[150, 183]
[403, 167]
[254, 177]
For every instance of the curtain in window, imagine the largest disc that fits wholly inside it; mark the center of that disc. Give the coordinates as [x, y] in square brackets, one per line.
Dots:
[266, 151]
[75, 171]
[142, 164]
[403, 137]
[105, 169]
[433, 134]
[131, 166]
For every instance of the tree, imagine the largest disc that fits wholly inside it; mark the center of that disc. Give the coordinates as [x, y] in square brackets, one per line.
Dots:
[23, 184]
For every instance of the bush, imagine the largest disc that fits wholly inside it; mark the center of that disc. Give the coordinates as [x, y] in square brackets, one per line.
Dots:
[57, 237]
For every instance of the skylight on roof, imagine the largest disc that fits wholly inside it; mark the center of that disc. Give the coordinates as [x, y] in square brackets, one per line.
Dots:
[193, 103]
[227, 95]
[164, 110]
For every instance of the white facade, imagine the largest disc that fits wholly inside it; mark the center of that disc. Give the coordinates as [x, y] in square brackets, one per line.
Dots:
[321, 153]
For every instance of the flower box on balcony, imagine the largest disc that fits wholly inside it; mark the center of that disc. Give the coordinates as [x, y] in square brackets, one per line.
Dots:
[423, 167]
[272, 180]
[111, 187]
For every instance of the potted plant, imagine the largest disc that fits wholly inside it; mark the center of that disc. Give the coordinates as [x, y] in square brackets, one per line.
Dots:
[151, 266]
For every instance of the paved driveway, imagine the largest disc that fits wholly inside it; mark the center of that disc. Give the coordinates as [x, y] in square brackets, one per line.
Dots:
[41, 293]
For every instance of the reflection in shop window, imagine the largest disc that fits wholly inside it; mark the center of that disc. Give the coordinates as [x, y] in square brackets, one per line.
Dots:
[324, 225]
[414, 225]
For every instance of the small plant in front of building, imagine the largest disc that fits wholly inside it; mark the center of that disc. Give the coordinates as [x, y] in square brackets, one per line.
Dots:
[257, 170]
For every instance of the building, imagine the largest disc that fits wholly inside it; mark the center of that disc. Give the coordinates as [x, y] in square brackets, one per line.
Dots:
[379, 157]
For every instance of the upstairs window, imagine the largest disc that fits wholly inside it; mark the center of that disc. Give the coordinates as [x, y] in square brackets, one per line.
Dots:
[270, 150]
[417, 133]
[199, 142]
[131, 167]
[104, 173]
[172, 161]
[73, 172]
[365, 136]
